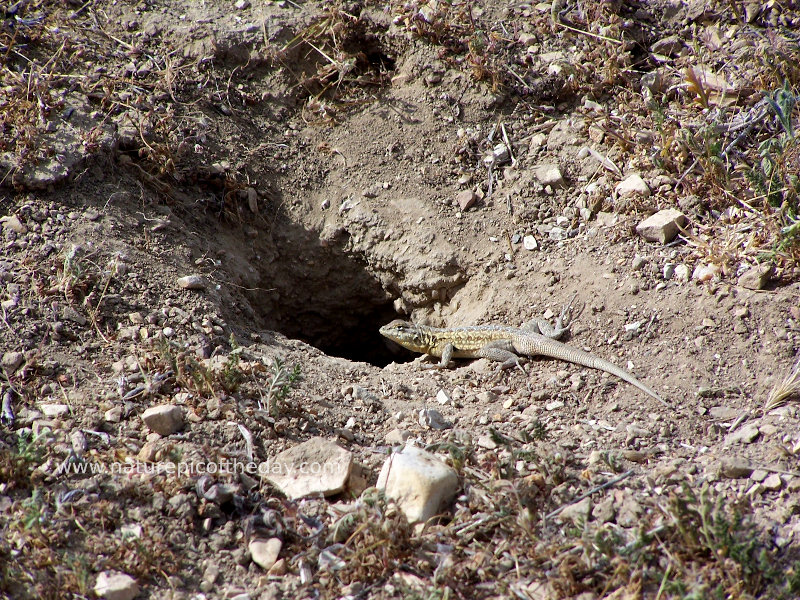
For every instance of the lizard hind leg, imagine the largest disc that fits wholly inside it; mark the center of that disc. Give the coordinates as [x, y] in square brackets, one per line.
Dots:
[563, 322]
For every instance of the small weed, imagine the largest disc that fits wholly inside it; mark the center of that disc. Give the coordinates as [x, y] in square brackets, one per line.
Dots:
[17, 464]
[280, 384]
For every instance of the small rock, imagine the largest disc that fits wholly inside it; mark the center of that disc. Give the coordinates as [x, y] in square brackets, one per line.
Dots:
[11, 361]
[549, 174]
[486, 397]
[466, 198]
[706, 272]
[113, 415]
[265, 552]
[192, 282]
[639, 263]
[419, 482]
[397, 437]
[578, 512]
[555, 405]
[669, 270]
[70, 314]
[633, 185]
[113, 585]
[443, 397]
[13, 223]
[724, 412]
[315, 467]
[279, 568]
[682, 272]
[735, 468]
[53, 410]
[773, 482]
[486, 441]
[757, 278]
[663, 226]
[433, 419]
[745, 435]
[164, 419]
[529, 242]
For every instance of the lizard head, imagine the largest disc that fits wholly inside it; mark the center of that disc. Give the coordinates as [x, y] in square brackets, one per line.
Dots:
[406, 334]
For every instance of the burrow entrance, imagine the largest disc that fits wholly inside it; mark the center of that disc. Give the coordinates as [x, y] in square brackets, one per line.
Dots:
[324, 296]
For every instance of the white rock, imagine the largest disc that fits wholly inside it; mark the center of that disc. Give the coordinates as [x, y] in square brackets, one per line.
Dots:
[529, 242]
[419, 482]
[442, 397]
[682, 272]
[265, 552]
[633, 185]
[164, 419]
[315, 467]
[113, 585]
[706, 272]
[549, 174]
[113, 415]
[54, 410]
[663, 226]
[433, 419]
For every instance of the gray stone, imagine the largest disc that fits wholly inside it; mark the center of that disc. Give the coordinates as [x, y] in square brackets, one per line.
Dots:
[113, 585]
[757, 278]
[11, 361]
[735, 468]
[192, 282]
[745, 435]
[164, 419]
[315, 467]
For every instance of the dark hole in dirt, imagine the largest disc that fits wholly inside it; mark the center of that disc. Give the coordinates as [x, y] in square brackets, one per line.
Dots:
[321, 294]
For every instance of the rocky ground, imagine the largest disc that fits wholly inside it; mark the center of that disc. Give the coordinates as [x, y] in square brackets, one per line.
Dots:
[209, 209]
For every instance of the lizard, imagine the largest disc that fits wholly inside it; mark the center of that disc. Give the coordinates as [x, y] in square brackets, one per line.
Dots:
[501, 343]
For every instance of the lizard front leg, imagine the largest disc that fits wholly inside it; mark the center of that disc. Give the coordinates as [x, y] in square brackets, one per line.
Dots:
[444, 362]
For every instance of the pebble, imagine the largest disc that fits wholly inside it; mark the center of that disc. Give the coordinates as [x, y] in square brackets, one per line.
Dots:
[669, 270]
[466, 198]
[13, 223]
[663, 226]
[419, 482]
[745, 435]
[433, 419]
[265, 552]
[735, 468]
[706, 272]
[443, 397]
[757, 278]
[529, 242]
[633, 185]
[773, 482]
[682, 272]
[11, 361]
[53, 410]
[192, 282]
[113, 585]
[397, 437]
[549, 174]
[639, 262]
[164, 419]
[315, 467]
